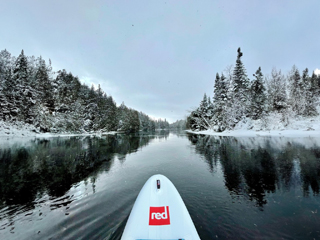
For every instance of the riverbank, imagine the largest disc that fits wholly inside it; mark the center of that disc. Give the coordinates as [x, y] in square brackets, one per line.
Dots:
[19, 129]
[271, 126]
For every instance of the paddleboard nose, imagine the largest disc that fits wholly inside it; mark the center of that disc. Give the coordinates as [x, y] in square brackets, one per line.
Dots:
[159, 213]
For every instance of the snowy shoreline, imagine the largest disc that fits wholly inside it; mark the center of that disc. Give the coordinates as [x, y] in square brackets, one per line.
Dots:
[18, 130]
[253, 133]
[299, 127]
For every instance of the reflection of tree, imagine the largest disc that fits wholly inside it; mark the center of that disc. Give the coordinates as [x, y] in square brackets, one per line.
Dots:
[260, 175]
[231, 169]
[254, 171]
[206, 146]
[285, 165]
[53, 166]
[310, 170]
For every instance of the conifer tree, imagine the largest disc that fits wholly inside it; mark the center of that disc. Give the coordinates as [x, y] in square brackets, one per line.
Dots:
[315, 88]
[309, 95]
[6, 86]
[297, 97]
[203, 108]
[240, 89]
[277, 96]
[200, 118]
[44, 85]
[22, 94]
[220, 103]
[258, 96]
[111, 114]
[240, 79]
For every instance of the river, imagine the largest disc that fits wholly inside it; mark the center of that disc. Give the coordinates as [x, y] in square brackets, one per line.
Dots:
[234, 188]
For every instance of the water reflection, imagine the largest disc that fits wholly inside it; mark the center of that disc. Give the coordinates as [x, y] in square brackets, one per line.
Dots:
[254, 167]
[52, 166]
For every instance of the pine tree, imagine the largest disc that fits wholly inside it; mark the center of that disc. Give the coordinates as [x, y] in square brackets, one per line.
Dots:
[297, 96]
[315, 88]
[111, 114]
[203, 108]
[44, 86]
[6, 86]
[22, 93]
[309, 95]
[152, 125]
[217, 89]
[210, 111]
[258, 96]
[204, 115]
[240, 79]
[200, 118]
[277, 96]
[240, 90]
[220, 103]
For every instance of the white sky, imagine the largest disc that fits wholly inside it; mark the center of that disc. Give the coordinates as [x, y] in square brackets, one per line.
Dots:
[160, 57]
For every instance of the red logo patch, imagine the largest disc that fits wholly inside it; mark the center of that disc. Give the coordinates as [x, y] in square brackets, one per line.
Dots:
[159, 216]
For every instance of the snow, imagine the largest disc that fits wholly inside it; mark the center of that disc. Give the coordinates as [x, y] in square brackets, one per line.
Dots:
[271, 126]
[20, 129]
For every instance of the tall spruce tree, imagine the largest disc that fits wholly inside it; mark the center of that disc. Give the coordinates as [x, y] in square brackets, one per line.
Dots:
[6, 86]
[315, 80]
[240, 88]
[258, 96]
[44, 85]
[220, 103]
[22, 94]
[309, 94]
[297, 96]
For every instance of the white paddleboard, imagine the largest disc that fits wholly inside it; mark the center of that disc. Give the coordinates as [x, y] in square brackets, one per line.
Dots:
[159, 213]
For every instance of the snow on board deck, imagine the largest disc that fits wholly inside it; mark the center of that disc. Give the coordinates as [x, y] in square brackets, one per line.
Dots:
[159, 213]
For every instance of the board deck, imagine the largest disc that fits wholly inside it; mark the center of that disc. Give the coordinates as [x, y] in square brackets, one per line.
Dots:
[159, 213]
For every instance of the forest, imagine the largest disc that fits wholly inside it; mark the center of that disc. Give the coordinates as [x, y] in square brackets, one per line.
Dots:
[237, 98]
[31, 93]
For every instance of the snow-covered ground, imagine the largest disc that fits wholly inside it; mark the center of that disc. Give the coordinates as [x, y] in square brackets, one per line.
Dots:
[19, 129]
[273, 125]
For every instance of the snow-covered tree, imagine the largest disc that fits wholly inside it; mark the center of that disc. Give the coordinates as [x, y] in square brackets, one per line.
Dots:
[44, 86]
[220, 103]
[110, 114]
[200, 118]
[277, 97]
[203, 108]
[296, 91]
[309, 94]
[315, 87]
[238, 93]
[258, 96]
[66, 88]
[128, 119]
[240, 88]
[22, 93]
[6, 85]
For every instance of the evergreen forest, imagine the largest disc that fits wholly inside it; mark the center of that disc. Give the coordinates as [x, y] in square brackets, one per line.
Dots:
[262, 99]
[32, 94]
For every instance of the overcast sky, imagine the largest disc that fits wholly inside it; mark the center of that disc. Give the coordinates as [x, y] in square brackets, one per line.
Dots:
[160, 57]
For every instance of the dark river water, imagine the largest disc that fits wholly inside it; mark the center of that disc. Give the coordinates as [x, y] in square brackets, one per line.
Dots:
[234, 188]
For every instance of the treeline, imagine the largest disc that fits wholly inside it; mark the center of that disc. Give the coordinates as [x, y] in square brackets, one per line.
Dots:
[237, 98]
[32, 93]
[178, 125]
